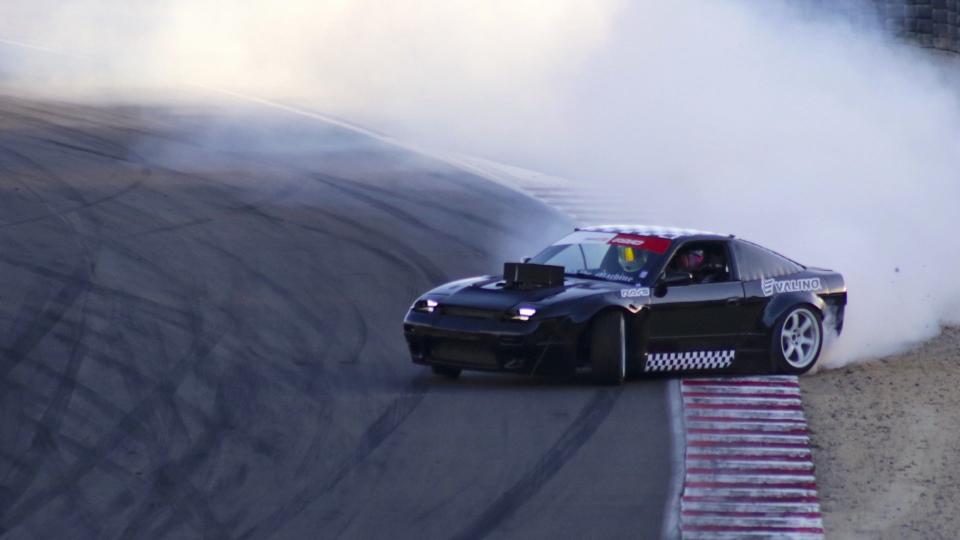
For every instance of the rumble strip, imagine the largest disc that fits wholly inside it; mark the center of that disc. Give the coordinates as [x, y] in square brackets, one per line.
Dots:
[749, 471]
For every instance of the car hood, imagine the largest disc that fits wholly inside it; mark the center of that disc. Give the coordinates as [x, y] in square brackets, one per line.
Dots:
[489, 293]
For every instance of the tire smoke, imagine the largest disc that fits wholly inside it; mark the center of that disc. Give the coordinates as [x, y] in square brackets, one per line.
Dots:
[811, 133]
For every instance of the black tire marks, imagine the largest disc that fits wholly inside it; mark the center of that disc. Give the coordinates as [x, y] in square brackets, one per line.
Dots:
[43, 442]
[591, 416]
[130, 425]
[169, 474]
[166, 332]
[39, 326]
[376, 433]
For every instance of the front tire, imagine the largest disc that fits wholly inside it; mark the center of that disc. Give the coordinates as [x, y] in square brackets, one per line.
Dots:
[446, 371]
[608, 350]
[797, 340]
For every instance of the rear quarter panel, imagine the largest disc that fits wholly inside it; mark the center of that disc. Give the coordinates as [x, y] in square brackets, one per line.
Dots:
[766, 300]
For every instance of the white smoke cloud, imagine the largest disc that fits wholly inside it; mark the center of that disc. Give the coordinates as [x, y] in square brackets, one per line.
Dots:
[822, 140]
[818, 137]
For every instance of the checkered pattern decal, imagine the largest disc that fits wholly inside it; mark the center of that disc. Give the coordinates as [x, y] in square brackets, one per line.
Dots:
[644, 230]
[689, 360]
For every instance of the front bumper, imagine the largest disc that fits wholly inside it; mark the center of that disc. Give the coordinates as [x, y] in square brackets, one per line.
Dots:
[541, 346]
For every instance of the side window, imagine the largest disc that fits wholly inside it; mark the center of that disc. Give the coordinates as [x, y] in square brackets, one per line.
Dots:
[707, 261]
[756, 262]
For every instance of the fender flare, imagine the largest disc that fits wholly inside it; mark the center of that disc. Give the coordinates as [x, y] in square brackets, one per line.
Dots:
[584, 312]
[781, 303]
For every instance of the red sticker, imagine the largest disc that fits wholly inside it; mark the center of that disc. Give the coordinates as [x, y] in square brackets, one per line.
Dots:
[650, 243]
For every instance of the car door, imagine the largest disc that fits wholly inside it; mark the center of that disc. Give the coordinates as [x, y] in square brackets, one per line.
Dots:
[695, 325]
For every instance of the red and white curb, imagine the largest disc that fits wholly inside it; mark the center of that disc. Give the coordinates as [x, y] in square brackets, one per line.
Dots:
[749, 470]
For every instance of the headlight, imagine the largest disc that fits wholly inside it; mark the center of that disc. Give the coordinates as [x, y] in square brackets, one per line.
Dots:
[524, 314]
[426, 305]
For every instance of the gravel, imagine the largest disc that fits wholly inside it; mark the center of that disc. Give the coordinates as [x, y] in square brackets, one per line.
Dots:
[886, 443]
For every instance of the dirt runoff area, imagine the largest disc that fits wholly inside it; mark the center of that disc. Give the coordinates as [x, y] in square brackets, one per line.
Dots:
[886, 443]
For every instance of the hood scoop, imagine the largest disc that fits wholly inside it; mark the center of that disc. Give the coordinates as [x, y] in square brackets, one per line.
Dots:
[525, 276]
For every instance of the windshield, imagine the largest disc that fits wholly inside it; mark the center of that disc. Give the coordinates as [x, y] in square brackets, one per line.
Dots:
[608, 256]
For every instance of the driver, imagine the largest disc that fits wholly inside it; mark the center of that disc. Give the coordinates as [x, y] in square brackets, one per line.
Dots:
[630, 261]
[688, 261]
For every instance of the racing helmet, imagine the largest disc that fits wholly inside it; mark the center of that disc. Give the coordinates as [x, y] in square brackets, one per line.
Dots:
[690, 261]
[629, 258]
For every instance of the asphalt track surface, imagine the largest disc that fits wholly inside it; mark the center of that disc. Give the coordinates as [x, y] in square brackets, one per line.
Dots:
[200, 314]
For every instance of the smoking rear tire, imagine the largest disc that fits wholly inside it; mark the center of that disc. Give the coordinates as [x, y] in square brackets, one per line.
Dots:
[608, 350]
[445, 371]
[797, 340]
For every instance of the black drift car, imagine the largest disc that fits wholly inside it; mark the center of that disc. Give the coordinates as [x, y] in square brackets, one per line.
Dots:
[632, 299]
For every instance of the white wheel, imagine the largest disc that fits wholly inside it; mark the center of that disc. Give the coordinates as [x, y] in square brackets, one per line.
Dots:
[800, 337]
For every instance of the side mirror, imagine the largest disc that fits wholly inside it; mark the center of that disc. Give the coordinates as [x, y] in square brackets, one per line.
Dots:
[525, 259]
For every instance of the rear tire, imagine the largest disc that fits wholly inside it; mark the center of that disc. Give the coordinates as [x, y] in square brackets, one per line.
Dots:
[797, 340]
[446, 371]
[608, 350]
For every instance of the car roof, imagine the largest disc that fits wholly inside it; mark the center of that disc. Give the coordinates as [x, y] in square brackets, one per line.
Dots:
[653, 230]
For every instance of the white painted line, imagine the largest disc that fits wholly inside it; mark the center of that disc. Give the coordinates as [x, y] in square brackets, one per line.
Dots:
[747, 378]
[764, 454]
[741, 414]
[745, 425]
[740, 392]
[751, 478]
[37, 47]
[753, 507]
[755, 403]
[700, 443]
[712, 535]
[721, 389]
[724, 463]
[720, 492]
[773, 521]
[671, 516]
[749, 438]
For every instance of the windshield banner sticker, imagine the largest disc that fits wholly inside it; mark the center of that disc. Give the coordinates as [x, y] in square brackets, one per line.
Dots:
[650, 243]
[634, 293]
[655, 244]
[586, 237]
[772, 286]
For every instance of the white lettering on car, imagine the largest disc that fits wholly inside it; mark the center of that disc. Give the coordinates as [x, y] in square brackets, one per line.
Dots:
[772, 286]
[603, 274]
[629, 241]
[634, 293]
